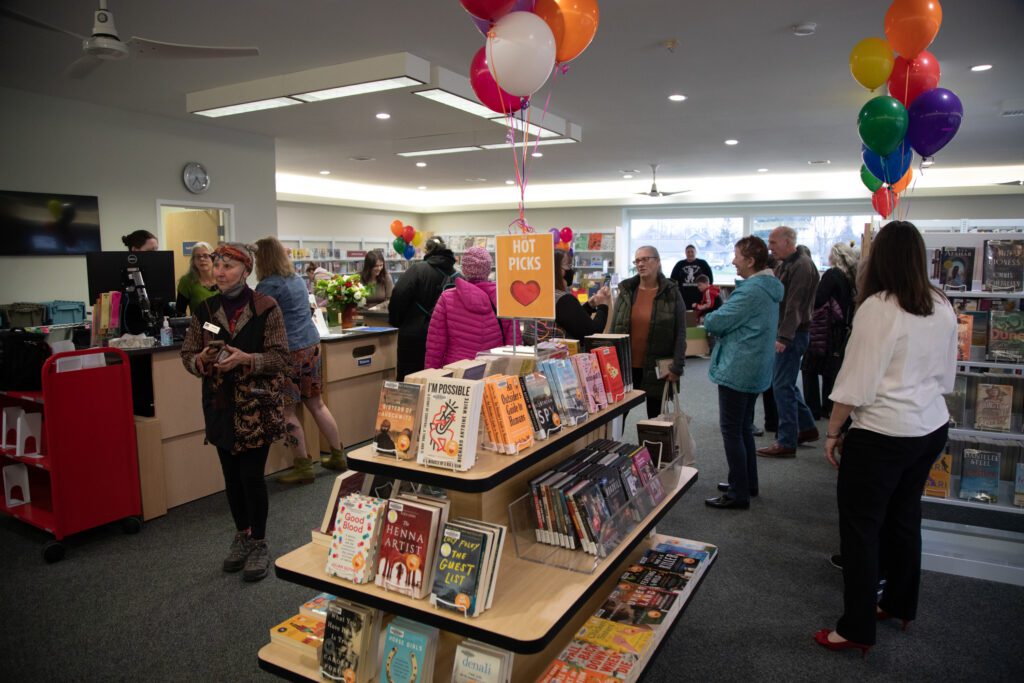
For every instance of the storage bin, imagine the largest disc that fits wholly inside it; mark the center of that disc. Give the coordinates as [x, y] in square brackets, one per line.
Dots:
[24, 314]
[65, 312]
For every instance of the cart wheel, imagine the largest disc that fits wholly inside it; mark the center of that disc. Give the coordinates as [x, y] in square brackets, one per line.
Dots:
[131, 525]
[53, 551]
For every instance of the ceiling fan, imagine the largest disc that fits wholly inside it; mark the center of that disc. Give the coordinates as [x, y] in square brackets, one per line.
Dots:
[653, 192]
[105, 45]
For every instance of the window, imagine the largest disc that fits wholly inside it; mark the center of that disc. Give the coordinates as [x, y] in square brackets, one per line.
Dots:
[714, 239]
[817, 233]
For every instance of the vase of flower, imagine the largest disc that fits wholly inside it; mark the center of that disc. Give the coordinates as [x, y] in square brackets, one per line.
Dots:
[343, 293]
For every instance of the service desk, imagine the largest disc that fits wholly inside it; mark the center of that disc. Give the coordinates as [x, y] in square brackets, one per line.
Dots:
[176, 467]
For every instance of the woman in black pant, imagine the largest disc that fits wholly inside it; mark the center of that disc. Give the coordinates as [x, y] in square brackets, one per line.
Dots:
[900, 360]
[238, 345]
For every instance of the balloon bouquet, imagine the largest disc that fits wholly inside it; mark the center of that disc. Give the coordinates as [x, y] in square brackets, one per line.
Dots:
[407, 238]
[916, 115]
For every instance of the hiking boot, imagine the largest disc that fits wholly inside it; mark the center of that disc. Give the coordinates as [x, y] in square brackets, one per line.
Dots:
[258, 563]
[241, 547]
[300, 473]
[335, 461]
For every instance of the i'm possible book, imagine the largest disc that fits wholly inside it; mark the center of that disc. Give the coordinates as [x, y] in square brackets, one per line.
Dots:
[957, 268]
[450, 423]
[979, 476]
[1003, 270]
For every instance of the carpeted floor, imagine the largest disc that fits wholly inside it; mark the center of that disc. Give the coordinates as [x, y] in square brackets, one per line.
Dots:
[155, 606]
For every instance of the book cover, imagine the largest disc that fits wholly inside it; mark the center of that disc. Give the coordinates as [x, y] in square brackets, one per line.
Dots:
[457, 574]
[611, 374]
[607, 241]
[979, 476]
[1018, 485]
[1003, 269]
[1006, 337]
[956, 401]
[300, 633]
[513, 401]
[405, 653]
[594, 242]
[569, 395]
[543, 404]
[450, 423]
[669, 562]
[957, 268]
[964, 334]
[345, 484]
[630, 603]
[354, 546]
[658, 437]
[621, 637]
[476, 663]
[397, 416]
[654, 578]
[937, 484]
[342, 642]
[583, 364]
[993, 407]
[495, 420]
[560, 671]
[406, 549]
[316, 607]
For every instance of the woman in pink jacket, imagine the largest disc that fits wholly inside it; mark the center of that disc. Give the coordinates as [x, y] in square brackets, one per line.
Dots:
[464, 321]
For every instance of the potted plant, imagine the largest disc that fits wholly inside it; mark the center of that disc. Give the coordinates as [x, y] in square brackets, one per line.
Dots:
[343, 293]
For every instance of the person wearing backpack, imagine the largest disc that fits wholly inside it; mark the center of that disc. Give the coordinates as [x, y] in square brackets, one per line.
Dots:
[413, 300]
[465, 319]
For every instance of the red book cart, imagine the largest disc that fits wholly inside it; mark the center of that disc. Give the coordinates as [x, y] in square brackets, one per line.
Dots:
[82, 468]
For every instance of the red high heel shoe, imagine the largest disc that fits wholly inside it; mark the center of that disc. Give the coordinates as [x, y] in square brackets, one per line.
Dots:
[821, 638]
[882, 615]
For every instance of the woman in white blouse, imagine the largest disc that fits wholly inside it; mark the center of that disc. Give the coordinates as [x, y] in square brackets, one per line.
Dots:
[900, 360]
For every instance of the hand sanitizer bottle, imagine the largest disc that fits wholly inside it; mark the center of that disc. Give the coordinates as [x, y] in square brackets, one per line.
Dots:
[165, 333]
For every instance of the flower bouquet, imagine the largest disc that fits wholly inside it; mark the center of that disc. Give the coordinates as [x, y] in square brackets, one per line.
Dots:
[343, 293]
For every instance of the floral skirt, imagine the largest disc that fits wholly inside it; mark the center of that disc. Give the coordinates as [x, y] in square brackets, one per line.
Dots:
[304, 377]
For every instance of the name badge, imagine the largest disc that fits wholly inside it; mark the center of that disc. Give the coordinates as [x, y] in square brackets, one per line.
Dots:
[211, 328]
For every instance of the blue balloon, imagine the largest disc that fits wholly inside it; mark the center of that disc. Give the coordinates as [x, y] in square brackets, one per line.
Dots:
[409, 252]
[890, 168]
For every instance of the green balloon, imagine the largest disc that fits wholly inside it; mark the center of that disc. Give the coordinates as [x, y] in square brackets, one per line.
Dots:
[882, 123]
[869, 180]
[399, 245]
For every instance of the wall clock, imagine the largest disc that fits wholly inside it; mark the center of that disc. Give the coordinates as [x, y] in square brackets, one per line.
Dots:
[195, 177]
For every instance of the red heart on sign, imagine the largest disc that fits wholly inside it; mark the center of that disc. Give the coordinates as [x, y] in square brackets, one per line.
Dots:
[525, 292]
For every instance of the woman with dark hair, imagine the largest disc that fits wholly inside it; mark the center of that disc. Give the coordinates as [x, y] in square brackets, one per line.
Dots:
[376, 276]
[140, 240]
[573, 320]
[900, 360]
[742, 364]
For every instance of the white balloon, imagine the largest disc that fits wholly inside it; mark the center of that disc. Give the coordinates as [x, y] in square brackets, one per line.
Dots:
[520, 53]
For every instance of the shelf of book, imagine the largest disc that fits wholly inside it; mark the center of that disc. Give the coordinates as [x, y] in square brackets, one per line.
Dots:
[1004, 499]
[955, 294]
[503, 625]
[490, 469]
[958, 433]
[990, 365]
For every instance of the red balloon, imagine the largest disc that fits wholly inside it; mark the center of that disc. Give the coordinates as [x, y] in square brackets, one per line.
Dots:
[488, 10]
[566, 235]
[884, 201]
[408, 232]
[486, 88]
[911, 77]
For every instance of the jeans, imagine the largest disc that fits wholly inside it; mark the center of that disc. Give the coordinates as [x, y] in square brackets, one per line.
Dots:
[736, 419]
[794, 415]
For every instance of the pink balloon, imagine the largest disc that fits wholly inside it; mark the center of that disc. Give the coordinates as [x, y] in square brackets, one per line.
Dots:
[487, 90]
[488, 10]
[566, 235]
[519, 6]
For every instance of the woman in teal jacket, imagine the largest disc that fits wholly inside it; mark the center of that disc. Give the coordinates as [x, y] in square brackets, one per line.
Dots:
[742, 364]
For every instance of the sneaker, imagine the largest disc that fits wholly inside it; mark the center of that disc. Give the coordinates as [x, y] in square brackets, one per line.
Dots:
[241, 547]
[836, 561]
[258, 563]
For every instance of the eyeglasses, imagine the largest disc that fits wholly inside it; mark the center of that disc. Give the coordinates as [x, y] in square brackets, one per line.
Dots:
[643, 259]
[206, 256]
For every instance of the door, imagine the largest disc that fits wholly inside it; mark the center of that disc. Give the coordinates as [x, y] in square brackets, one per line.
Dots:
[183, 227]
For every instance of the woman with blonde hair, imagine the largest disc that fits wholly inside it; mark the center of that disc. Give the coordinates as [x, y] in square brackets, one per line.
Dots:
[303, 377]
[376, 276]
[198, 284]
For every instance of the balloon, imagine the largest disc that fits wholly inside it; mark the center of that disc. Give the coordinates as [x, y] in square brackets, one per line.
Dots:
[520, 53]
[572, 22]
[556, 235]
[566, 234]
[518, 6]
[417, 239]
[408, 232]
[912, 77]
[409, 252]
[935, 118]
[871, 62]
[399, 245]
[882, 123]
[396, 228]
[869, 179]
[911, 25]
[889, 169]
[884, 201]
[488, 10]
[903, 182]
[487, 90]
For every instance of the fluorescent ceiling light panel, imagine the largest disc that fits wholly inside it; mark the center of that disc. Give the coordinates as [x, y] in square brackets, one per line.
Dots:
[357, 89]
[430, 152]
[532, 128]
[247, 107]
[456, 102]
[506, 145]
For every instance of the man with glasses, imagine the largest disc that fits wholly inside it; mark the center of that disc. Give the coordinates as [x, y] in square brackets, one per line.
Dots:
[685, 274]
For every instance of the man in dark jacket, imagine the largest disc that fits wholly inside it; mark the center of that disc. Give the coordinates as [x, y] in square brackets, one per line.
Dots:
[800, 278]
[685, 274]
[412, 303]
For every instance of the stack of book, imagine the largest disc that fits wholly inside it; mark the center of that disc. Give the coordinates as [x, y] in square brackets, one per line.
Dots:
[408, 543]
[346, 483]
[350, 642]
[301, 634]
[353, 552]
[450, 423]
[467, 563]
[409, 652]
[567, 390]
[987, 401]
[616, 643]
[623, 357]
[506, 415]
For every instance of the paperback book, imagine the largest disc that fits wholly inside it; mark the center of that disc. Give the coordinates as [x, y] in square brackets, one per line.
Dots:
[457, 574]
[937, 484]
[541, 404]
[1018, 484]
[396, 426]
[625, 638]
[964, 333]
[407, 547]
[346, 483]
[408, 654]
[476, 662]
[1003, 270]
[957, 268]
[316, 607]
[629, 603]
[300, 633]
[566, 388]
[993, 407]
[583, 662]
[450, 423]
[611, 373]
[979, 476]
[350, 642]
[956, 401]
[353, 552]
[1006, 336]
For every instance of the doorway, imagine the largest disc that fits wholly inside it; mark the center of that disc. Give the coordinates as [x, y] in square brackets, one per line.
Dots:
[182, 224]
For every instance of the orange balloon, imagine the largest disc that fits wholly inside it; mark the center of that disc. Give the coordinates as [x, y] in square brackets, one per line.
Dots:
[911, 25]
[573, 22]
[904, 182]
[396, 228]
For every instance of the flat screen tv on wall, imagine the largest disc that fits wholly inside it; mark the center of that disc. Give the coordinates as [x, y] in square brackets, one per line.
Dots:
[45, 224]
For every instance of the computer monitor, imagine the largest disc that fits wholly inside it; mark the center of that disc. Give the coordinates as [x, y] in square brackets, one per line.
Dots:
[106, 271]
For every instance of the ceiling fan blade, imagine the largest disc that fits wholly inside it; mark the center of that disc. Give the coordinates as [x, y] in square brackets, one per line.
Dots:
[25, 19]
[666, 194]
[83, 66]
[154, 49]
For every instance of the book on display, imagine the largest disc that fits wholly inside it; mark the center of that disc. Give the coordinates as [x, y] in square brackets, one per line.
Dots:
[956, 401]
[354, 546]
[1006, 337]
[565, 386]
[957, 268]
[937, 484]
[623, 354]
[979, 476]
[1003, 269]
[351, 638]
[300, 633]
[409, 652]
[1018, 484]
[541, 405]
[396, 427]
[407, 541]
[993, 407]
[450, 423]
[316, 607]
[346, 483]
[477, 662]
[457, 575]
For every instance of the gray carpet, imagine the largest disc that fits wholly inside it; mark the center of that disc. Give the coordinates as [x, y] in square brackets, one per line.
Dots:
[155, 606]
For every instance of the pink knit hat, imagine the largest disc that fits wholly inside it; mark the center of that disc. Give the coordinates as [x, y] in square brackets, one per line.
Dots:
[476, 264]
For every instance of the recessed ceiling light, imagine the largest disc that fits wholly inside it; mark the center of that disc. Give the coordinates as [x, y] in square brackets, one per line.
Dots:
[325, 172]
[762, 170]
[422, 187]
[925, 163]
[820, 162]
[732, 143]
[677, 97]
[421, 164]
[510, 182]
[981, 67]
[537, 155]
[804, 28]
[447, 150]
[383, 116]
[628, 176]
[476, 180]
[361, 159]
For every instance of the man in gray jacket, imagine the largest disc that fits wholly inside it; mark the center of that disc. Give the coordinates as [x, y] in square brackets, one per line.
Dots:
[800, 278]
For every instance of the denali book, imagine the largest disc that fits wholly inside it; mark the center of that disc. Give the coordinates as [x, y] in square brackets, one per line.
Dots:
[397, 419]
[1003, 270]
[450, 423]
[979, 476]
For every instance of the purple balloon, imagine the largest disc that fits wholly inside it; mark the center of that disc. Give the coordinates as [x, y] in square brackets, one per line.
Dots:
[935, 118]
[520, 6]
[556, 235]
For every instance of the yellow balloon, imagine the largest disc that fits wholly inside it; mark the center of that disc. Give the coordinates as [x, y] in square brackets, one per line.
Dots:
[417, 239]
[871, 62]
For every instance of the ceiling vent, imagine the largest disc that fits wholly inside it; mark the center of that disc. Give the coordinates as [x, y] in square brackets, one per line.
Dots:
[1012, 108]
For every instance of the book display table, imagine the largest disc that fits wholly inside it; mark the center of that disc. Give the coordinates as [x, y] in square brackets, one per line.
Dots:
[537, 607]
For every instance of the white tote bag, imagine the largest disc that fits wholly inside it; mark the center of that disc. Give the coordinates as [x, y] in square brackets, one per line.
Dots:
[672, 411]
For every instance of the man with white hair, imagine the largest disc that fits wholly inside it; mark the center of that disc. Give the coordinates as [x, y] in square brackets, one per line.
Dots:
[800, 278]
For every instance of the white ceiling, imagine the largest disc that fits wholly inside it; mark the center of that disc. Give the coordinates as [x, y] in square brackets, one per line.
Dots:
[787, 99]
